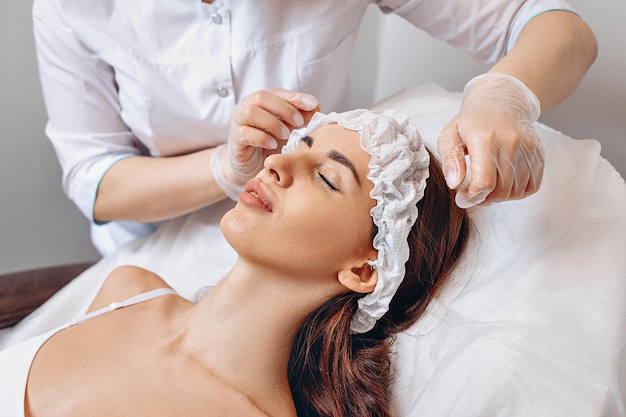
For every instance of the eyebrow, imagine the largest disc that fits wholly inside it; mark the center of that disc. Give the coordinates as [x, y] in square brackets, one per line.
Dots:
[336, 156]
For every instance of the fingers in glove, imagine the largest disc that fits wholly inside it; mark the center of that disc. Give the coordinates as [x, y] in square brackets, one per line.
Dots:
[452, 151]
[308, 114]
[306, 104]
[535, 160]
[524, 155]
[265, 121]
[503, 166]
[484, 176]
[505, 149]
[302, 101]
[283, 104]
[248, 136]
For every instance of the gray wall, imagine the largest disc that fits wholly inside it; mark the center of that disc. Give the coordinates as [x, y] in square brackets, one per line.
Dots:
[40, 227]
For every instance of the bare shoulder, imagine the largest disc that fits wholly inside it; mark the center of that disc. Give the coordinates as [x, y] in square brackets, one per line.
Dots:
[125, 282]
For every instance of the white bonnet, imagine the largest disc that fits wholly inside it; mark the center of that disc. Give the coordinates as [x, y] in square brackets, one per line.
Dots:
[398, 169]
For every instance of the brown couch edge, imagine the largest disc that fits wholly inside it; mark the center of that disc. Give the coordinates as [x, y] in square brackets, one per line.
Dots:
[23, 291]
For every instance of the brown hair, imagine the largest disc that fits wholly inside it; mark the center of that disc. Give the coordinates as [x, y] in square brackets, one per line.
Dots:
[337, 374]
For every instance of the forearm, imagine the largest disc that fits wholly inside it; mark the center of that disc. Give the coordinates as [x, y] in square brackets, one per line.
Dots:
[148, 189]
[551, 56]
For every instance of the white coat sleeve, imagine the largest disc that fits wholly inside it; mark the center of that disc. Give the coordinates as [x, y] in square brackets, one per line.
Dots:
[84, 122]
[487, 29]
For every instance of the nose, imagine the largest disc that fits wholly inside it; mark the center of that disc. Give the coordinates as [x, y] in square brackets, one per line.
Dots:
[280, 168]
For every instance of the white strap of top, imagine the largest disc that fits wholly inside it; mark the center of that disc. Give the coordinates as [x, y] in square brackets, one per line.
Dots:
[145, 296]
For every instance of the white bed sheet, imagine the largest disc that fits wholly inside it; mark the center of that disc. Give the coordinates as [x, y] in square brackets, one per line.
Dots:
[532, 323]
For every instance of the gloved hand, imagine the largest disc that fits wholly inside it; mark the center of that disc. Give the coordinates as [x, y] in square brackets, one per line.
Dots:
[260, 125]
[494, 127]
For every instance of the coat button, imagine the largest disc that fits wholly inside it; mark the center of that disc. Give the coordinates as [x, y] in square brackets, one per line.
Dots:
[222, 91]
[216, 18]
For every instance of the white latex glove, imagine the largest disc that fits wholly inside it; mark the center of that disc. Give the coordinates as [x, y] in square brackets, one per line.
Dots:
[260, 125]
[494, 127]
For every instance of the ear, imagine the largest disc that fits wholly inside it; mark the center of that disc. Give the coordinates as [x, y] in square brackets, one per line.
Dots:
[359, 278]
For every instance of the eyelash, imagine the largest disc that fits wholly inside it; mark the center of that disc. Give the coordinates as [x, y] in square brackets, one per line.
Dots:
[326, 182]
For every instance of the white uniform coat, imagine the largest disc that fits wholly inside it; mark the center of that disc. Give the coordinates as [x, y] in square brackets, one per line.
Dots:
[160, 77]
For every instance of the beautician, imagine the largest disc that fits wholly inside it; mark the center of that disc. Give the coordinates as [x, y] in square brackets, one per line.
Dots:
[139, 93]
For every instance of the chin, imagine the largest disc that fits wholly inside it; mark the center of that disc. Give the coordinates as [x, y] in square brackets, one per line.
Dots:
[237, 229]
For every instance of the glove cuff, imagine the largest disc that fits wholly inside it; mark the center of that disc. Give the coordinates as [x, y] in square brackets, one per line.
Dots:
[231, 189]
[512, 84]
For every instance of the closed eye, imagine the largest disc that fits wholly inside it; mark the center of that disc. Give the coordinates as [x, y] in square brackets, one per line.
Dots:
[327, 182]
[337, 157]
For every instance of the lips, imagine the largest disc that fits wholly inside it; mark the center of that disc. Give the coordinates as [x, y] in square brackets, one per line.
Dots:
[254, 195]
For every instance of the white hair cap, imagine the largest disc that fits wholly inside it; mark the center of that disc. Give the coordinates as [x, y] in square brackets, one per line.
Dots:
[398, 169]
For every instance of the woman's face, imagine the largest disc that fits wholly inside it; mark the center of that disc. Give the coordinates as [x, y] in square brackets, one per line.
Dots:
[307, 212]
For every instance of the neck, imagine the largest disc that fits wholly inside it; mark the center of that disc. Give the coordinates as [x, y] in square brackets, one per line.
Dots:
[245, 327]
